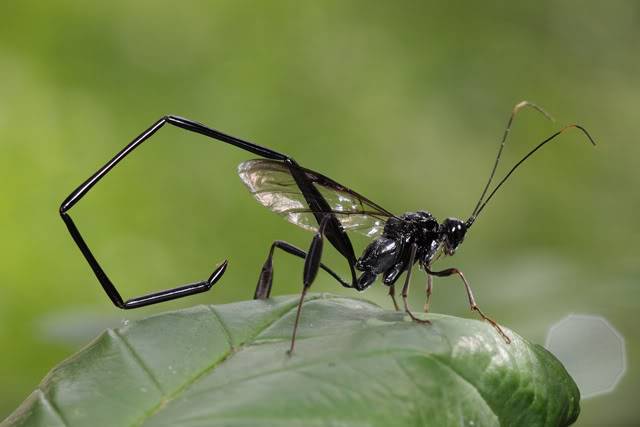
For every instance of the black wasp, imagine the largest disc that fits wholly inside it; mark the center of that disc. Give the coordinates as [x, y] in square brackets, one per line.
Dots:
[319, 204]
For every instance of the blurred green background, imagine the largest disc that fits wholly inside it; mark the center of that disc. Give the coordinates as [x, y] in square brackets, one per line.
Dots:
[403, 101]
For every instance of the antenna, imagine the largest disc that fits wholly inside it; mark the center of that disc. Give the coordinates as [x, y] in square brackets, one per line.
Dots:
[507, 130]
[479, 208]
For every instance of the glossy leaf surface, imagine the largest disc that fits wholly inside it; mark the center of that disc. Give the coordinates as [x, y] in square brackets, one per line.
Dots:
[355, 365]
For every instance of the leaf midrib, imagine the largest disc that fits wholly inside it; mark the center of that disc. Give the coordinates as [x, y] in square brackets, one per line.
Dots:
[364, 355]
[232, 350]
[249, 342]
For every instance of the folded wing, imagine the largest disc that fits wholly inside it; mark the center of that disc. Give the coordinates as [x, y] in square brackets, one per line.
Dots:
[271, 183]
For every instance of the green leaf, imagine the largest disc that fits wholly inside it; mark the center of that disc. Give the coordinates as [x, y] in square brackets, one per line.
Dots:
[355, 364]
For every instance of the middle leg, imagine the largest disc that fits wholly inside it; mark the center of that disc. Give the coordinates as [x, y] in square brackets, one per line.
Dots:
[392, 294]
[265, 281]
[428, 291]
[405, 287]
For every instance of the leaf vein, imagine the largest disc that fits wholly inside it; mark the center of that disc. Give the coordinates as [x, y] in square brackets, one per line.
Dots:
[138, 360]
[296, 368]
[438, 360]
[229, 353]
[45, 401]
[223, 326]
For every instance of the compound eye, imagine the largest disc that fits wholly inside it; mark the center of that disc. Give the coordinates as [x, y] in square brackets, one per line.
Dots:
[455, 231]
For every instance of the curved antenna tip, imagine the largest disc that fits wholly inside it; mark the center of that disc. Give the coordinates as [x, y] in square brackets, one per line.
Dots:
[522, 104]
[516, 108]
[529, 154]
[583, 130]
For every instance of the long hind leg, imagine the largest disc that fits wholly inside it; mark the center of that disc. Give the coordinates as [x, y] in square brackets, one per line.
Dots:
[76, 195]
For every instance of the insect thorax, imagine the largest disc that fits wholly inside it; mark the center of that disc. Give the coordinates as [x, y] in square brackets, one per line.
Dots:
[400, 233]
[389, 254]
[413, 227]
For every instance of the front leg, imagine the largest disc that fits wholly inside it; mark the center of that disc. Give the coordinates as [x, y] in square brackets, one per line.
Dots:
[405, 288]
[472, 300]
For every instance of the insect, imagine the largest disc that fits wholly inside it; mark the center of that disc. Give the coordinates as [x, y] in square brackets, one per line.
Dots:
[330, 210]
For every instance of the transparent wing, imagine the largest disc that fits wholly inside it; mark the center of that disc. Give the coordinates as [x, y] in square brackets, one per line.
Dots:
[272, 184]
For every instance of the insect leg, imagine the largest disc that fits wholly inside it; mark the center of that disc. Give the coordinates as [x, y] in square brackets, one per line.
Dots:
[322, 211]
[392, 294]
[311, 266]
[519, 106]
[472, 300]
[86, 186]
[149, 299]
[405, 288]
[429, 289]
[263, 289]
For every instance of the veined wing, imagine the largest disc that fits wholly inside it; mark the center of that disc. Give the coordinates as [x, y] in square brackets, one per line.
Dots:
[271, 183]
